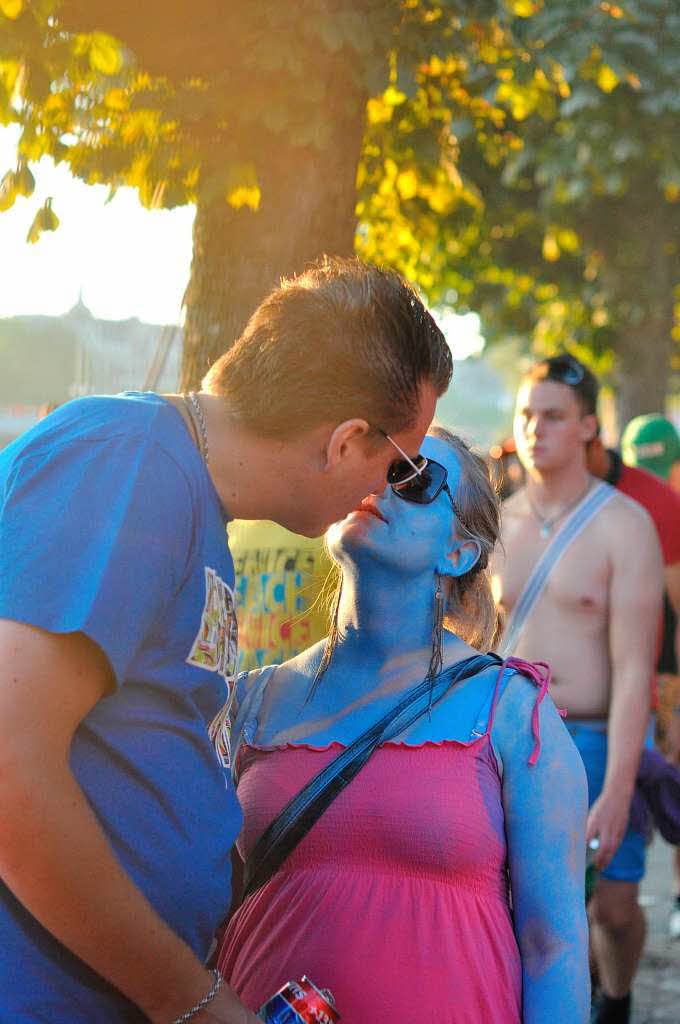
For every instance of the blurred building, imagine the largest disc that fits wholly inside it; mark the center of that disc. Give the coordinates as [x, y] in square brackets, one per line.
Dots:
[122, 355]
[47, 360]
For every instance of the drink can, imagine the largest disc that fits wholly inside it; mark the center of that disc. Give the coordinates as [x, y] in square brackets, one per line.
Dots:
[300, 1002]
[591, 871]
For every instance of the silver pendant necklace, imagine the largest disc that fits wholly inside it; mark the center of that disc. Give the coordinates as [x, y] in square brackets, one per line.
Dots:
[547, 524]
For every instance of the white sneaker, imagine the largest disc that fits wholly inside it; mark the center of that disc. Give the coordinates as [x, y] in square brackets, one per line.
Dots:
[674, 920]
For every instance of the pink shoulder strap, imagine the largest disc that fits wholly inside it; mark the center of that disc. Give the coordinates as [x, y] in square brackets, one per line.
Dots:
[540, 674]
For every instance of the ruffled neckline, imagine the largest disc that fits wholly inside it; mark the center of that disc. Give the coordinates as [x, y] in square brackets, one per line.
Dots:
[266, 748]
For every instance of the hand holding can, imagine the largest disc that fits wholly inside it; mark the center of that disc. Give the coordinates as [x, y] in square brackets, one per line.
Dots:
[592, 872]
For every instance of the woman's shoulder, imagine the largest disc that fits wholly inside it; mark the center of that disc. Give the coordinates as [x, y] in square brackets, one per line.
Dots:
[247, 682]
[478, 670]
[297, 672]
[269, 691]
[519, 691]
[528, 727]
[462, 712]
[526, 686]
[299, 667]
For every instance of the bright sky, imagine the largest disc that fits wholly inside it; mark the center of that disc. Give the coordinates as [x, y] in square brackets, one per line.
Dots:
[127, 261]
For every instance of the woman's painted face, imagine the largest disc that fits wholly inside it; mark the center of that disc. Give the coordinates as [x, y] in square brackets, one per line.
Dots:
[397, 533]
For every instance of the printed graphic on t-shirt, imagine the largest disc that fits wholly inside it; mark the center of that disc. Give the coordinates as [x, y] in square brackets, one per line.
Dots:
[216, 650]
[216, 645]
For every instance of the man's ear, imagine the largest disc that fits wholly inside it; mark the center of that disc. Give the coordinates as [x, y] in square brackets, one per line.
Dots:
[462, 557]
[590, 427]
[344, 441]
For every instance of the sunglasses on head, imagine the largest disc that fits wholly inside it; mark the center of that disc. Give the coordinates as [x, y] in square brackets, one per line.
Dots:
[418, 480]
[567, 370]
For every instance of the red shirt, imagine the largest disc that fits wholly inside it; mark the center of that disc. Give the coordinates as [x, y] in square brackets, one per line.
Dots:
[662, 503]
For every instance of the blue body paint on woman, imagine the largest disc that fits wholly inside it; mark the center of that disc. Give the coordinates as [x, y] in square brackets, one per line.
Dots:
[398, 898]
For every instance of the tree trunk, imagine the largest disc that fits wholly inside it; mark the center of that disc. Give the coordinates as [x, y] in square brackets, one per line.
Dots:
[639, 273]
[307, 206]
[643, 367]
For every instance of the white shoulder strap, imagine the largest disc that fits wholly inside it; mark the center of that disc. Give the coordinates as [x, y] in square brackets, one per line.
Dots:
[596, 498]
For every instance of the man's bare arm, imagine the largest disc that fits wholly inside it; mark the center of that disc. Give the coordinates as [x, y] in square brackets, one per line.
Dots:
[635, 592]
[54, 855]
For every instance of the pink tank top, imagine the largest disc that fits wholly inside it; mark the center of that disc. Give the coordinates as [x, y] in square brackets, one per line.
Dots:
[397, 898]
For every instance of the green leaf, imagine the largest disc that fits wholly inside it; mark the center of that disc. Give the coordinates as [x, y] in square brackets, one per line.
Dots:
[8, 191]
[105, 54]
[44, 220]
[11, 8]
[50, 221]
[35, 229]
[24, 182]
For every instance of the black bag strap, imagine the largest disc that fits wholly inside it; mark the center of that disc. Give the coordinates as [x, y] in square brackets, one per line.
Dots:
[306, 807]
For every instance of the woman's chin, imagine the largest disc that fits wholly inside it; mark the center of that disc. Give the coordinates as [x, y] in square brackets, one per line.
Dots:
[351, 533]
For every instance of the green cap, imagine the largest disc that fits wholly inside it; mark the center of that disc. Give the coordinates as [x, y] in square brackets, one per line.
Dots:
[651, 442]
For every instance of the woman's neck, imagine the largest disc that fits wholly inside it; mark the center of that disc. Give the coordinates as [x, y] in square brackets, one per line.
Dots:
[384, 618]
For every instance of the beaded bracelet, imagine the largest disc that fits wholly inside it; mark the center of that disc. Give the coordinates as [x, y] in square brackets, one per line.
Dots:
[218, 982]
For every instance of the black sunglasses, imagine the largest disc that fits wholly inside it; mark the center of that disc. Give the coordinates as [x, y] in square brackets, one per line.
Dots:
[566, 370]
[418, 480]
[423, 487]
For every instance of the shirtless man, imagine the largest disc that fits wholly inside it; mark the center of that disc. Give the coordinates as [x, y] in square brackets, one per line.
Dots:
[595, 624]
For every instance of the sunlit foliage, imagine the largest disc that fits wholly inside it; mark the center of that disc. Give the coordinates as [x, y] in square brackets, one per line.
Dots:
[557, 212]
[520, 157]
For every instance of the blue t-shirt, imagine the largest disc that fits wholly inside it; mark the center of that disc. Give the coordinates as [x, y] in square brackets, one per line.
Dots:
[110, 524]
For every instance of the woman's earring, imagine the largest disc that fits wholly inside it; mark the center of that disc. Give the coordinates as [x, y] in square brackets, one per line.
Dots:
[436, 660]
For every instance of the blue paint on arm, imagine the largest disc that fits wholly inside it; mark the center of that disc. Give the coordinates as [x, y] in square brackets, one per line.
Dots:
[245, 705]
[545, 813]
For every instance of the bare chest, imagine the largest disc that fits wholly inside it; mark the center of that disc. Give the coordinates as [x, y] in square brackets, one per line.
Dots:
[578, 582]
